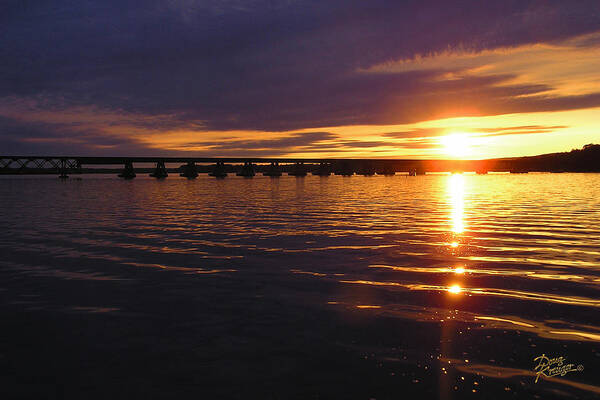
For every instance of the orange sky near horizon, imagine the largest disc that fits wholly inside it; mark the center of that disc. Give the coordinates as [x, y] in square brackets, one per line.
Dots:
[568, 68]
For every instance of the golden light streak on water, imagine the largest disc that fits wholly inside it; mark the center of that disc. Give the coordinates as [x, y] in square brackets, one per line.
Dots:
[508, 293]
[586, 335]
[456, 189]
[455, 289]
[459, 270]
[506, 320]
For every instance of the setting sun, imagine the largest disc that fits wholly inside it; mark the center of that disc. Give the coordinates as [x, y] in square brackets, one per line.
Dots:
[456, 144]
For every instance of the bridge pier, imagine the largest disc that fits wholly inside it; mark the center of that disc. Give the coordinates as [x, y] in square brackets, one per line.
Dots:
[274, 170]
[344, 169]
[189, 170]
[386, 170]
[324, 169]
[128, 172]
[63, 169]
[416, 171]
[299, 170]
[247, 170]
[218, 170]
[160, 172]
[367, 170]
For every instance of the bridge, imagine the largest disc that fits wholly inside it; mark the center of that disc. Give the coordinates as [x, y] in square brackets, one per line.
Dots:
[190, 167]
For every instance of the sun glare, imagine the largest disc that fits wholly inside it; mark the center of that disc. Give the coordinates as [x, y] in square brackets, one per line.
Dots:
[456, 144]
[455, 289]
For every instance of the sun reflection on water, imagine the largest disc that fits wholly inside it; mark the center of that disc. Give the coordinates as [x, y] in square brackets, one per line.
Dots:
[455, 289]
[456, 188]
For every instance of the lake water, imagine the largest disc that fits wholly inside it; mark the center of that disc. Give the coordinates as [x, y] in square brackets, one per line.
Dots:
[438, 286]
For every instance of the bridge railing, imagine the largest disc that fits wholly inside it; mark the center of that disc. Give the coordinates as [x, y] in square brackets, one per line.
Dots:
[23, 165]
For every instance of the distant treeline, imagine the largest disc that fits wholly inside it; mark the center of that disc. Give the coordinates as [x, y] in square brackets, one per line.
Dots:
[586, 159]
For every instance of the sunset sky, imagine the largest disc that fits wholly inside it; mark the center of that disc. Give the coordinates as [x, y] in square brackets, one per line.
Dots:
[298, 78]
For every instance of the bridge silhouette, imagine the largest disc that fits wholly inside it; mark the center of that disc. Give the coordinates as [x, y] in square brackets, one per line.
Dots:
[219, 167]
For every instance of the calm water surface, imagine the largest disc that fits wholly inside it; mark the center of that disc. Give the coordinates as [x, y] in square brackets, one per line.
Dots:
[441, 286]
